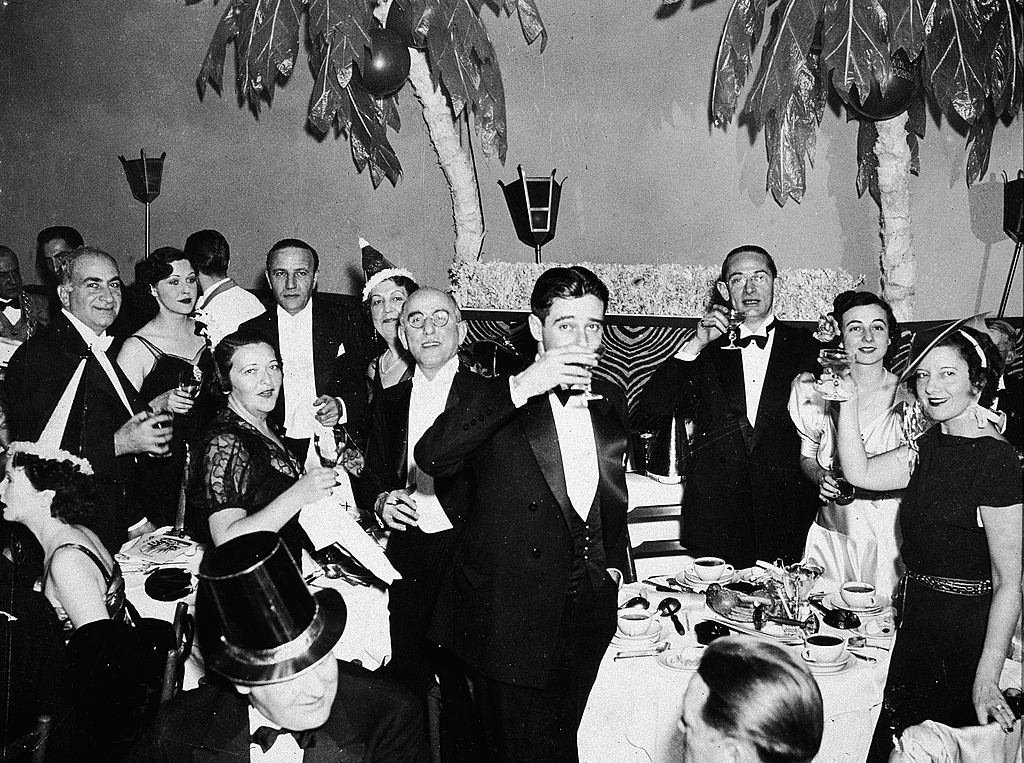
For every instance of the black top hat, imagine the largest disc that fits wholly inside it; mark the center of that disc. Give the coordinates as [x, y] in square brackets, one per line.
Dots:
[269, 626]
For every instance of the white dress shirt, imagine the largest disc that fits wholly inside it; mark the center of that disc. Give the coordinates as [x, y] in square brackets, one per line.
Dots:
[230, 308]
[12, 313]
[755, 364]
[579, 451]
[426, 402]
[295, 338]
[99, 344]
[284, 750]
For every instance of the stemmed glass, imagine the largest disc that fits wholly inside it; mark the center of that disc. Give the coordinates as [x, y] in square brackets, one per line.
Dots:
[189, 382]
[835, 362]
[735, 321]
[586, 394]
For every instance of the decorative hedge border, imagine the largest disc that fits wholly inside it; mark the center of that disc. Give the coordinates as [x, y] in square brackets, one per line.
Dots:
[801, 294]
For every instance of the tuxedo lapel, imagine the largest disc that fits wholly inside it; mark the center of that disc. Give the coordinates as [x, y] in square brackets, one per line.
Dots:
[325, 347]
[610, 439]
[778, 379]
[227, 732]
[728, 365]
[398, 398]
[539, 428]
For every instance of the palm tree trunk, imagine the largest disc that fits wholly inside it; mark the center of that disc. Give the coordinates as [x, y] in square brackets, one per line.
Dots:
[455, 161]
[899, 270]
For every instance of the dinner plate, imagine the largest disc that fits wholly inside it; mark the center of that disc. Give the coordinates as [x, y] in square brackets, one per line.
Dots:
[681, 660]
[881, 626]
[771, 631]
[829, 668]
[835, 601]
[688, 578]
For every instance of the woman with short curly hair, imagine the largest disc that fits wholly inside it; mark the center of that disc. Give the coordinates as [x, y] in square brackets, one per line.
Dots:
[53, 494]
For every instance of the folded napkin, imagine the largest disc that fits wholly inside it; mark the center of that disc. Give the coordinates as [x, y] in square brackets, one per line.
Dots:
[327, 522]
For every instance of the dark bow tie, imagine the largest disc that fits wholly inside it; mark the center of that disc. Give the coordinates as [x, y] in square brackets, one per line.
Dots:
[5, 303]
[563, 394]
[265, 736]
[760, 341]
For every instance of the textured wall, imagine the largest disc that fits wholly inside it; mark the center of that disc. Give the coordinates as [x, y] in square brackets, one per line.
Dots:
[617, 103]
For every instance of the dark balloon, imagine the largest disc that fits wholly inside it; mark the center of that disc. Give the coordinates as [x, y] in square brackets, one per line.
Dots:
[899, 91]
[385, 66]
[401, 17]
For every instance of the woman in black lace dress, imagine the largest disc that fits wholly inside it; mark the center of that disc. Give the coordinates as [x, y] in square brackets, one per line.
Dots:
[157, 359]
[245, 480]
[961, 526]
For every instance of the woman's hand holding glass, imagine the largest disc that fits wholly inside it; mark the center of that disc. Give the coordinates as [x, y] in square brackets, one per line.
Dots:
[172, 401]
[314, 486]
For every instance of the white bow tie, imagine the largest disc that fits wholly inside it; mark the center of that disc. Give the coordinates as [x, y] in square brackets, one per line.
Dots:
[101, 343]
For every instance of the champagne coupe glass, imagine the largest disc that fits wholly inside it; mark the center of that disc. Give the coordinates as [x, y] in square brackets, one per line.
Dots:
[834, 361]
[189, 382]
[735, 321]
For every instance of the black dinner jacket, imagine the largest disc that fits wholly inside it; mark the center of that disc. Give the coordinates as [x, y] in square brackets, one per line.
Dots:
[746, 497]
[505, 587]
[338, 321]
[37, 376]
[372, 719]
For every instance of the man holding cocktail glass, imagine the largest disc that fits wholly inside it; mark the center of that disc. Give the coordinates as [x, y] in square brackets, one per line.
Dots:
[527, 602]
[744, 498]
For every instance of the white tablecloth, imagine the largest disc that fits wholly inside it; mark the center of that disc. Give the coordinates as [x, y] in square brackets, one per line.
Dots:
[366, 638]
[634, 706]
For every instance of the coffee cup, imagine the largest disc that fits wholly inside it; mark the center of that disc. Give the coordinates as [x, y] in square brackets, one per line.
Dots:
[822, 647]
[634, 622]
[858, 594]
[711, 568]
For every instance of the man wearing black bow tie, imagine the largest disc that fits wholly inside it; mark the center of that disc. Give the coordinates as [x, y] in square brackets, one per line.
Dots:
[744, 498]
[20, 311]
[527, 602]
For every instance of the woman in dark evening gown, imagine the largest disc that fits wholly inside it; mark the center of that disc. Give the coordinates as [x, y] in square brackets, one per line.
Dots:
[961, 523]
[156, 359]
[244, 480]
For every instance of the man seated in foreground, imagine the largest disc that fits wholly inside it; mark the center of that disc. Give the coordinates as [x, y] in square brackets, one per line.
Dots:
[749, 701]
[262, 630]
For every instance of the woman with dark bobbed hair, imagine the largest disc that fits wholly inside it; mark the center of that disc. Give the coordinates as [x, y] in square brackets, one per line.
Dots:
[158, 359]
[750, 701]
[854, 539]
[961, 523]
[245, 479]
[51, 492]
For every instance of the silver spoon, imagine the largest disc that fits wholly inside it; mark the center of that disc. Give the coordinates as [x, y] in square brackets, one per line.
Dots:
[645, 653]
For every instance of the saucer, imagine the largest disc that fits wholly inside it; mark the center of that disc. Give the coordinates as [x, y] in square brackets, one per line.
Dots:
[681, 660]
[880, 627]
[689, 578]
[828, 668]
[835, 601]
[638, 642]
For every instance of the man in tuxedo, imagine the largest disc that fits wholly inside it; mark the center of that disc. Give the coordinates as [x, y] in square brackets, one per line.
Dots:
[279, 694]
[21, 312]
[51, 243]
[745, 498]
[224, 303]
[526, 601]
[66, 390]
[432, 329]
[324, 342]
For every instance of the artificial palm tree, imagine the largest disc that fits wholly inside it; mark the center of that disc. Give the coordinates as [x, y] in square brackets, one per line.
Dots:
[452, 69]
[882, 58]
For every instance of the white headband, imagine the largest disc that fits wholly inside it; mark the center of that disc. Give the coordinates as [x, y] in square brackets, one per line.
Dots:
[981, 352]
[50, 453]
[378, 278]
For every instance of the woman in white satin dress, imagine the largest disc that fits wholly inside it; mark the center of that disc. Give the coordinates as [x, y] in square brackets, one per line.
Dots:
[860, 540]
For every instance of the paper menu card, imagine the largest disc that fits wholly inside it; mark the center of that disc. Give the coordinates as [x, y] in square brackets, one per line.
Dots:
[432, 518]
[327, 522]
